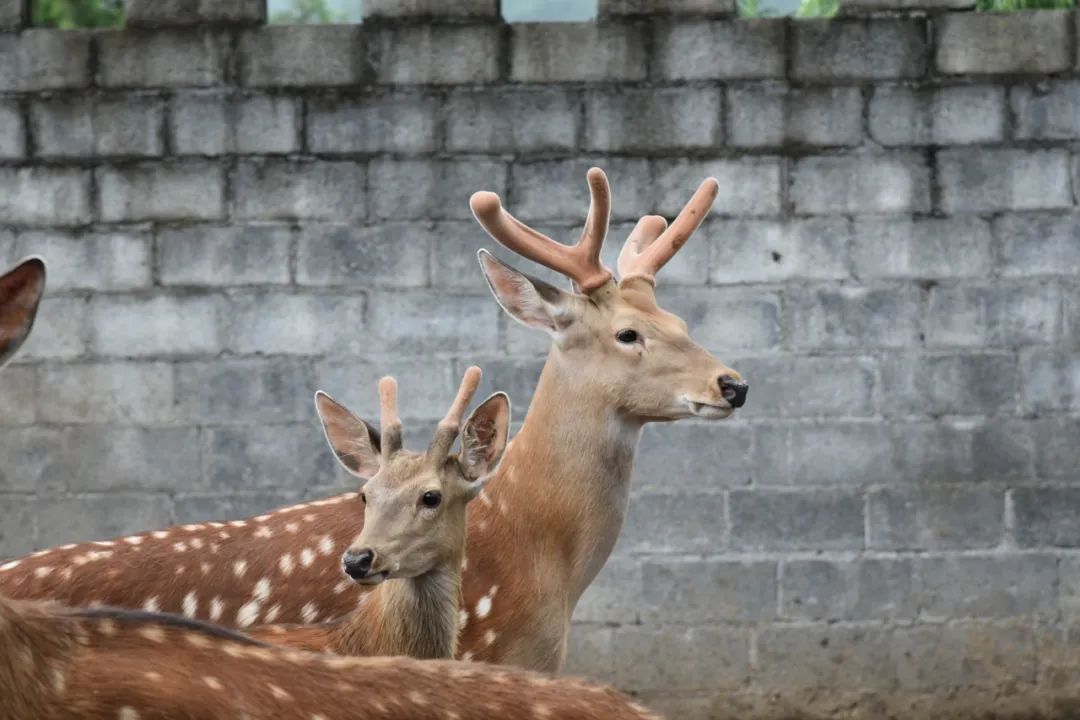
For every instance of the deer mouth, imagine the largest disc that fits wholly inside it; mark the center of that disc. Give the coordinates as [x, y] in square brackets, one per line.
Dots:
[709, 411]
[374, 578]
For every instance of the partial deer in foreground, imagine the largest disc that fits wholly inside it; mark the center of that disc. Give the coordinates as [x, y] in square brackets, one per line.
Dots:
[413, 539]
[538, 536]
[103, 664]
[20, 294]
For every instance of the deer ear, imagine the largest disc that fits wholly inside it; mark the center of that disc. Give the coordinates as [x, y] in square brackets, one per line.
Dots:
[483, 440]
[354, 442]
[528, 300]
[20, 293]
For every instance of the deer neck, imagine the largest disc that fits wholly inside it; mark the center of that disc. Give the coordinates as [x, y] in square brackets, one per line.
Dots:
[417, 617]
[572, 462]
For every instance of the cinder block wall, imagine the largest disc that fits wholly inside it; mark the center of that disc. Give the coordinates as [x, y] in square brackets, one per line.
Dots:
[236, 215]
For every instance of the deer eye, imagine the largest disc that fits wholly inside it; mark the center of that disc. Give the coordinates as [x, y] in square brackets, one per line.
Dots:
[431, 499]
[627, 336]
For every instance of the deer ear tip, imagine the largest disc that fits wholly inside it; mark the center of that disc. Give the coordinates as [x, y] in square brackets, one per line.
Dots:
[484, 202]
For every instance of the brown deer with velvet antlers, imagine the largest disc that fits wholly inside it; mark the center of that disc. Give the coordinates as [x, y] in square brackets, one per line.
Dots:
[538, 536]
[412, 544]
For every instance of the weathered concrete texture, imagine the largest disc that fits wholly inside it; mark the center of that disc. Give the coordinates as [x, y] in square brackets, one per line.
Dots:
[237, 215]
[14, 14]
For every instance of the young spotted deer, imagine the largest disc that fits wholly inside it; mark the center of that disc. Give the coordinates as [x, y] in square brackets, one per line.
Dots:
[538, 536]
[20, 294]
[412, 544]
[60, 663]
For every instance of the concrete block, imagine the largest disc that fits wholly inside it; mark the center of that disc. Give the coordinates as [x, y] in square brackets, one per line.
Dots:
[437, 54]
[994, 586]
[576, 52]
[900, 247]
[773, 115]
[226, 256]
[961, 115]
[18, 525]
[589, 651]
[60, 330]
[613, 597]
[287, 189]
[75, 519]
[720, 658]
[399, 122]
[749, 186]
[553, 190]
[178, 13]
[993, 315]
[652, 120]
[245, 392]
[18, 396]
[1069, 590]
[985, 43]
[683, 457]
[724, 320]
[426, 387]
[1003, 179]
[1050, 380]
[113, 393]
[303, 55]
[749, 251]
[100, 261]
[14, 14]
[74, 127]
[618, 8]
[122, 326]
[379, 9]
[297, 324]
[1047, 517]
[949, 383]
[1037, 244]
[240, 458]
[871, 7]
[44, 196]
[897, 182]
[766, 520]
[976, 655]
[387, 255]
[170, 191]
[707, 592]
[44, 59]
[513, 120]
[702, 50]
[420, 323]
[29, 453]
[936, 518]
[216, 124]
[662, 524]
[850, 454]
[200, 508]
[829, 656]
[1045, 111]
[1059, 453]
[430, 189]
[101, 458]
[834, 318]
[453, 259]
[167, 58]
[831, 50]
[870, 589]
[962, 449]
[12, 131]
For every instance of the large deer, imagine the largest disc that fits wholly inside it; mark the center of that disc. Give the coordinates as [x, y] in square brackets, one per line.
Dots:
[102, 664]
[536, 539]
[412, 544]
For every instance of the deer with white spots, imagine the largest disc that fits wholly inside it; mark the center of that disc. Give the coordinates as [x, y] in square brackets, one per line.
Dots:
[413, 539]
[540, 533]
[59, 663]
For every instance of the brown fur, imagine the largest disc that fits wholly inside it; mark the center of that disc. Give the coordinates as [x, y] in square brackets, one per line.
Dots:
[20, 293]
[65, 664]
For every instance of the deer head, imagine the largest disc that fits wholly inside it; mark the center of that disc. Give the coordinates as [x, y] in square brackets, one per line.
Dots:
[613, 335]
[20, 293]
[414, 503]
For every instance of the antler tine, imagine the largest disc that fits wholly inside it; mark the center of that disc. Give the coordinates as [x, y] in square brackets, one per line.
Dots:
[449, 427]
[646, 250]
[390, 423]
[580, 262]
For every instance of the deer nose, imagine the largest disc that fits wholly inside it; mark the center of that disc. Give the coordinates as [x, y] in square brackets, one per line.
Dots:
[358, 564]
[734, 391]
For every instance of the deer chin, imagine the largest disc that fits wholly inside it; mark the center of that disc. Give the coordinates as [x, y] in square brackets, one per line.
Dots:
[374, 579]
[708, 411]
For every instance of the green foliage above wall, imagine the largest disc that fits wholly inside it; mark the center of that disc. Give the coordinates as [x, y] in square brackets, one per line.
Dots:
[69, 14]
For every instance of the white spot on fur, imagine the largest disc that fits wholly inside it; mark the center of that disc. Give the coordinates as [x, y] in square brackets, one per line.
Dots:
[463, 619]
[153, 634]
[264, 532]
[70, 546]
[489, 637]
[467, 656]
[239, 568]
[180, 547]
[216, 607]
[180, 570]
[159, 534]
[104, 543]
[193, 527]
[216, 524]
[196, 543]
[247, 613]
[191, 605]
[212, 682]
[279, 693]
[342, 587]
[134, 540]
[205, 568]
[272, 613]
[326, 545]
[261, 518]
[153, 676]
[483, 607]
[127, 713]
[309, 517]
[58, 681]
[464, 564]
[309, 612]
[307, 557]
[66, 573]
[43, 571]
[262, 589]
[292, 528]
[151, 604]
[238, 523]
[286, 564]
[224, 535]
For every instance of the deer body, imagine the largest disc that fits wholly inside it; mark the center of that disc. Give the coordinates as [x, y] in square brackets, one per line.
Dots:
[540, 535]
[61, 664]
